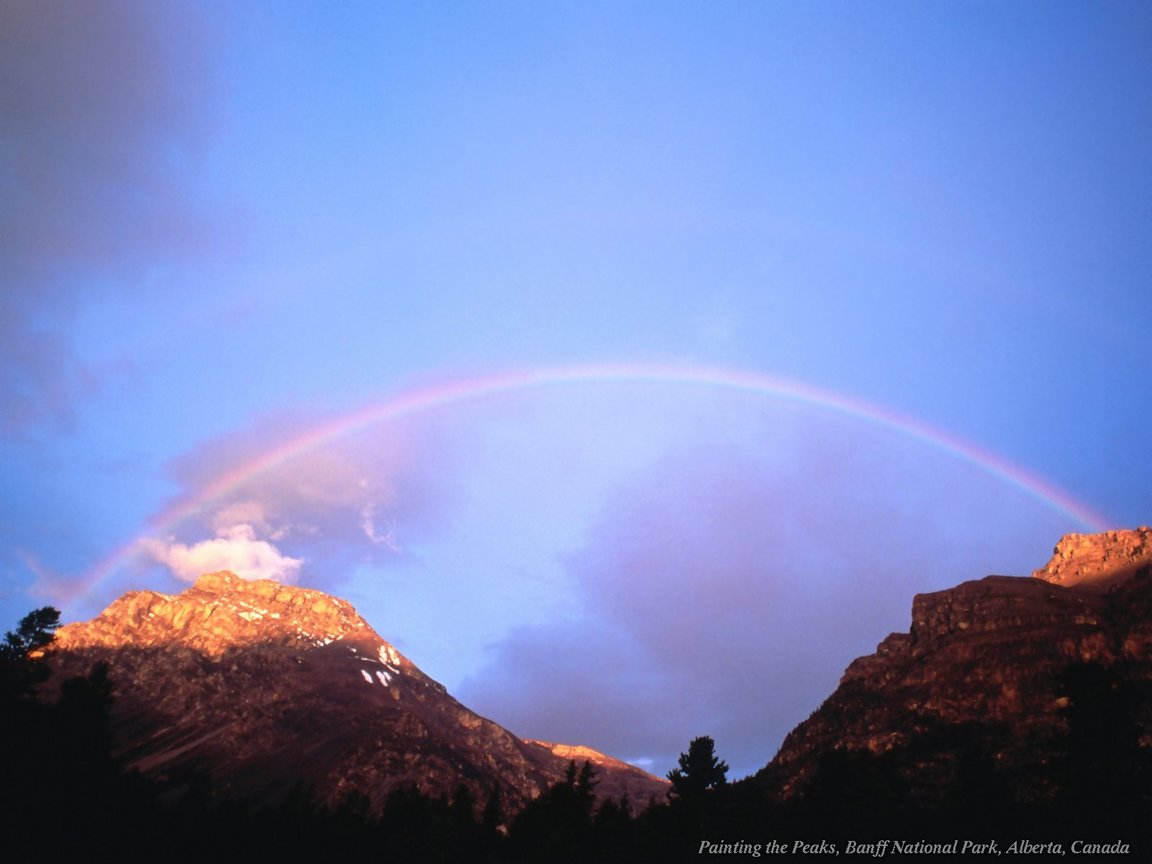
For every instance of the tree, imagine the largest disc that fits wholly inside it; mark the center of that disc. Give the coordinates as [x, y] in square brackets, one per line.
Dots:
[35, 630]
[699, 771]
[558, 826]
[585, 787]
[19, 671]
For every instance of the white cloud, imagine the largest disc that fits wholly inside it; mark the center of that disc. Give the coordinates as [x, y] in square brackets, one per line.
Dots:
[235, 548]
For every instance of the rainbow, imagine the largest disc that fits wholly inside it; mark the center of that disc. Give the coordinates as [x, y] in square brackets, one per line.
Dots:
[461, 390]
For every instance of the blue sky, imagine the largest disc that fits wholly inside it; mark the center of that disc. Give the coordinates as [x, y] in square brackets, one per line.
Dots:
[224, 225]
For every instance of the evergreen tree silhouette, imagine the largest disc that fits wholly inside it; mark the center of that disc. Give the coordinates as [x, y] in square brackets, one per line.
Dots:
[20, 669]
[699, 771]
[557, 827]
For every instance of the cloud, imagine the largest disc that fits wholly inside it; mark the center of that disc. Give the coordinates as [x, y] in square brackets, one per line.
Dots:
[338, 504]
[102, 116]
[722, 583]
[725, 590]
[381, 537]
[236, 548]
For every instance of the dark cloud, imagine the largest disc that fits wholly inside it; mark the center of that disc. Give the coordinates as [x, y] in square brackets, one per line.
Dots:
[102, 115]
[725, 591]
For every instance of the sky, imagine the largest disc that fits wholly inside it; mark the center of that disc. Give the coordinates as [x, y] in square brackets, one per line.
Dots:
[629, 366]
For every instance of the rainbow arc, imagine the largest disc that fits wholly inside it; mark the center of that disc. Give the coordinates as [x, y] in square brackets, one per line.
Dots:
[457, 391]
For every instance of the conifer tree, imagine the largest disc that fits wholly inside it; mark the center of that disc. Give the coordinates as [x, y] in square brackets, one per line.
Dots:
[699, 771]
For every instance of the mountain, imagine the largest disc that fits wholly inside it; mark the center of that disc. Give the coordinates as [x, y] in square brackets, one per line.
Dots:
[1097, 562]
[1012, 684]
[1014, 709]
[267, 688]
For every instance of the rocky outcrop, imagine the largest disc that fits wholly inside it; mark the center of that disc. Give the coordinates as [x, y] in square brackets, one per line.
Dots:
[984, 664]
[1098, 561]
[266, 688]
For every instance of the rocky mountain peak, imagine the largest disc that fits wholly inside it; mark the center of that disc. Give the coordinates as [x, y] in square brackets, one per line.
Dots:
[222, 611]
[264, 687]
[986, 659]
[1098, 561]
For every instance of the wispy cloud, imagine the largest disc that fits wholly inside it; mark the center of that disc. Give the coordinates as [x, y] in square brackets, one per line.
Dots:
[349, 501]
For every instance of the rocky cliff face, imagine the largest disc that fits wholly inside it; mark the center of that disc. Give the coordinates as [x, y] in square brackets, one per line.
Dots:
[985, 665]
[266, 687]
[1098, 561]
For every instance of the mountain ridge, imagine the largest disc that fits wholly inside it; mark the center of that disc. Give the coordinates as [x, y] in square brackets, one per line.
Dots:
[1012, 708]
[991, 665]
[264, 687]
